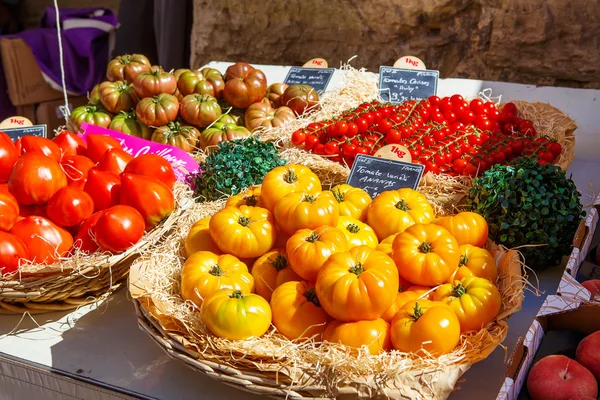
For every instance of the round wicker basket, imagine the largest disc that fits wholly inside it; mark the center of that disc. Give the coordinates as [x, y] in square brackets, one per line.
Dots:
[80, 279]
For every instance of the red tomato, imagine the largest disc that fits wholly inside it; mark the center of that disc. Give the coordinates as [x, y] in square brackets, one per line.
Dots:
[341, 128]
[311, 141]
[555, 148]
[97, 145]
[509, 108]
[45, 241]
[331, 148]
[434, 100]
[298, 137]
[476, 106]
[526, 127]
[70, 144]
[104, 187]
[119, 228]
[362, 124]
[35, 178]
[457, 98]
[152, 198]
[70, 206]
[8, 156]
[12, 252]
[393, 136]
[114, 160]
[352, 130]
[483, 123]
[38, 144]
[9, 211]
[84, 241]
[76, 169]
[153, 165]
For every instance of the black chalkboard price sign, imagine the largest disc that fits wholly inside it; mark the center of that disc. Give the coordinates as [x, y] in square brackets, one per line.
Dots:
[397, 85]
[316, 77]
[17, 133]
[376, 175]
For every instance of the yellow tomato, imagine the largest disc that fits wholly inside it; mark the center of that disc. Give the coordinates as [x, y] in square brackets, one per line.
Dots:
[198, 239]
[281, 239]
[245, 232]
[475, 261]
[401, 299]
[425, 326]
[299, 210]
[475, 301]
[287, 179]
[297, 312]
[251, 197]
[235, 315]
[425, 254]
[308, 249]
[394, 211]
[204, 273]
[375, 334]
[360, 284]
[358, 233]
[353, 202]
[270, 271]
[386, 244]
[466, 227]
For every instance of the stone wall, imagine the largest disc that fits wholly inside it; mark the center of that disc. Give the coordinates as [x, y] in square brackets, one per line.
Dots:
[544, 42]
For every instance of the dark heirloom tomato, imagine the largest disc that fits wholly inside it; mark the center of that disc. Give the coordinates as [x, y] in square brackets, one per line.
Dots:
[104, 187]
[76, 169]
[154, 166]
[100, 144]
[215, 78]
[38, 144]
[114, 160]
[8, 156]
[126, 67]
[199, 110]
[127, 122]
[35, 178]
[12, 252]
[274, 93]
[261, 114]
[91, 114]
[220, 133]
[46, 241]
[154, 82]
[244, 85]
[117, 96]
[119, 228]
[94, 96]
[70, 144]
[153, 199]
[158, 110]
[193, 82]
[174, 134]
[70, 206]
[300, 98]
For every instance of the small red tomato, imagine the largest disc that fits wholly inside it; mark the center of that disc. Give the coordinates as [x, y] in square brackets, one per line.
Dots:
[352, 130]
[476, 106]
[509, 108]
[311, 141]
[118, 228]
[70, 144]
[319, 149]
[383, 126]
[547, 156]
[13, 252]
[509, 129]
[70, 206]
[104, 187]
[483, 123]
[341, 128]
[348, 150]
[526, 127]
[467, 116]
[517, 147]
[431, 167]
[555, 148]
[152, 165]
[446, 105]
[450, 116]
[434, 100]
[97, 145]
[331, 148]
[369, 117]
[84, 241]
[459, 165]
[376, 117]
[298, 137]
[457, 98]
[114, 160]
[362, 124]
[393, 136]
[362, 150]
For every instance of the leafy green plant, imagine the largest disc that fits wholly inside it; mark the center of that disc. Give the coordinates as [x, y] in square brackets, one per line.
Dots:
[234, 166]
[527, 203]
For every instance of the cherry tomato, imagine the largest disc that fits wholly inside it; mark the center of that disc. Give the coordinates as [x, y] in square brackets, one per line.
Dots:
[517, 147]
[483, 123]
[555, 148]
[427, 141]
[526, 127]
[476, 106]
[425, 114]
[376, 116]
[341, 128]
[362, 150]
[352, 130]
[119, 228]
[509, 129]
[547, 156]
[466, 116]
[369, 117]
[499, 157]
[450, 117]
[383, 126]
[362, 124]
[70, 206]
[437, 117]
[446, 105]
[457, 98]
[509, 108]
[393, 136]
[311, 141]
[434, 100]
[314, 126]
[331, 148]
[459, 165]
[298, 137]
[385, 112]
[431, 167]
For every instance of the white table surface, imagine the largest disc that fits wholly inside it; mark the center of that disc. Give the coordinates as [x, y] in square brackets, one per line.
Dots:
[102, 343]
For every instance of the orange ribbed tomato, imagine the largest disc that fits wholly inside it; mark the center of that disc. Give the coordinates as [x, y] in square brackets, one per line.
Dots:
[299, 210]
[353, 202]
[205, 273]
[386, 244]
[475, 261]
[272, 270]
[360, 284]
[475, 301]
[467, 227]
[250, 197]
[245, 232]
[394, 211]
[358, 233]
[287, 179]
[425, 326]
[297, 312]
[425, 254]
[308, 249]
[199, 239]
[401, 299]
[375, 334]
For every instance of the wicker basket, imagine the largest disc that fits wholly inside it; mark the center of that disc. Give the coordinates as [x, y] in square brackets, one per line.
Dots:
[79, 280]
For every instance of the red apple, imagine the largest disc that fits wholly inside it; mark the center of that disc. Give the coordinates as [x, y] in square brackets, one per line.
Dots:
[588, 353]
[593, 285]
[558, 377]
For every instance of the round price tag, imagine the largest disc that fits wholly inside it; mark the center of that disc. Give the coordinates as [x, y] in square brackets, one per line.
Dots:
[15, 122]
[394, 152]
[316, 63]
[409, 62]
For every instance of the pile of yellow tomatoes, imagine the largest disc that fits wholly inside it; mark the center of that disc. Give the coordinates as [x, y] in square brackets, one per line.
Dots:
[337, 266]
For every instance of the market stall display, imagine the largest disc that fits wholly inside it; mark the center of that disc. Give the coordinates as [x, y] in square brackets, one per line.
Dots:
[75, 214]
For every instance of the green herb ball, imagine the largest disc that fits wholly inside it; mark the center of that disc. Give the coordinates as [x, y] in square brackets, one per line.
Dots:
[528, 203]
[235, 166]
